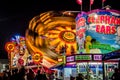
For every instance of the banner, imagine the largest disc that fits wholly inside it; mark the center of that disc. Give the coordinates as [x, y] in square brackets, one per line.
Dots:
[80, 30]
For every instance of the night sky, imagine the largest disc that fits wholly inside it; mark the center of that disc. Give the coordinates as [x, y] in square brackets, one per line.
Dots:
[16, 14]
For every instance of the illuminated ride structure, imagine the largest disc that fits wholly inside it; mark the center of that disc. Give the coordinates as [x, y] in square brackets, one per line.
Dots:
[18, 54]
[52, 34]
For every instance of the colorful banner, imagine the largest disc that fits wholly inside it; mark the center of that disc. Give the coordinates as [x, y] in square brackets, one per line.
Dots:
[102, 33]
[80, 30]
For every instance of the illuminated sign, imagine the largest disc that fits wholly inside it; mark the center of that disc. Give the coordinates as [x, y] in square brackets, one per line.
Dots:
[100, 32]
[107, 19]
[97, 57]
[104, 19]
[70, 58]
[83, 57]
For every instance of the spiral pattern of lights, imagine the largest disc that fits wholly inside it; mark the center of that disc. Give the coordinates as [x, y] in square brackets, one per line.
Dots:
[50, 32]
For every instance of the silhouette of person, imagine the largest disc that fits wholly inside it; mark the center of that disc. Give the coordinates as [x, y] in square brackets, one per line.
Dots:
[116, 75]
[80, 77]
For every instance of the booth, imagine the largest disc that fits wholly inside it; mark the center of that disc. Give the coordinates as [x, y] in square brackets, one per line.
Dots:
[98, 36]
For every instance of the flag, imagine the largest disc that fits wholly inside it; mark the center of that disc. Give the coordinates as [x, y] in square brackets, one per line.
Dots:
[91, 2]
[103, 0]
[79, 2]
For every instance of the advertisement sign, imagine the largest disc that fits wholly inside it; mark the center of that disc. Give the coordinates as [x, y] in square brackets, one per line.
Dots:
[80, 30]
[83, 57]
[70, 58]
[102, 33]
[97, 57]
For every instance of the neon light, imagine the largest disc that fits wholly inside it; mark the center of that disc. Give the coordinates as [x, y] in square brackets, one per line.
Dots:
[70, 58]
[83, 57]
[9, 46]
[97, 57]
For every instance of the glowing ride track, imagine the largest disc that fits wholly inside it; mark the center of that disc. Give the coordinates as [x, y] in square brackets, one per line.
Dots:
[49, 32]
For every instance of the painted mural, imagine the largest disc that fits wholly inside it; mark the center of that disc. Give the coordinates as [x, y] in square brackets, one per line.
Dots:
[98, 31]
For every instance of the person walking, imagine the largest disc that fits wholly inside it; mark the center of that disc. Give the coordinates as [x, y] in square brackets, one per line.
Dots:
[39, 76]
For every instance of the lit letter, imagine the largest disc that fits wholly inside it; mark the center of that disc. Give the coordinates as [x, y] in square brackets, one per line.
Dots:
[113, 30]
[97, 28]
[102, 29]
[107, 19]
[107, 29]
[112, 20]
[92, 19]
[117, 21]
[89, 19]
[102, 19]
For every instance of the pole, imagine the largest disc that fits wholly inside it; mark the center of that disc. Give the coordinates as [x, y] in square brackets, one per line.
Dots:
[11, 63]
[103, 70]
[119, 64]
[81, 7]
[102, 5]
[90, 7]
[91, 2]
[88, 70]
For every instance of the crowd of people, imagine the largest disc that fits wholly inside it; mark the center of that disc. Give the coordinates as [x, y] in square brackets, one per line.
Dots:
[26, 74]
[29, 74]
[116, 74]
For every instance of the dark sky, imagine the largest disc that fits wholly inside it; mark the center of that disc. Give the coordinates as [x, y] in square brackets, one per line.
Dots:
[16, 14]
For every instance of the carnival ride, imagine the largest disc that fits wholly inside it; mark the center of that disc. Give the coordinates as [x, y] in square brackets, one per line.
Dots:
[52, 34]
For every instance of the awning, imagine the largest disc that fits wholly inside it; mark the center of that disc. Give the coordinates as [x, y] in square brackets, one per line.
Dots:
[111, 55]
